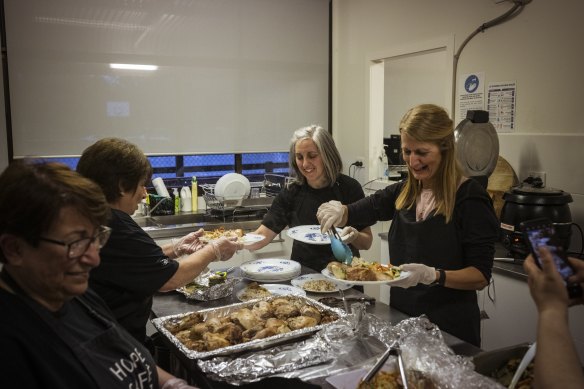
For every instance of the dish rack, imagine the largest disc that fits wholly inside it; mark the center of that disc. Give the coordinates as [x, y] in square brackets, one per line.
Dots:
[258, 201]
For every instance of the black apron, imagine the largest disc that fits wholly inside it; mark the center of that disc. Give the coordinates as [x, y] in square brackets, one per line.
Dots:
[313, 256]
[437, 244]
[113, 358]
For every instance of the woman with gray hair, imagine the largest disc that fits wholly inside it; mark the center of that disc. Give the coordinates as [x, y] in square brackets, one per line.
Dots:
[317, 167]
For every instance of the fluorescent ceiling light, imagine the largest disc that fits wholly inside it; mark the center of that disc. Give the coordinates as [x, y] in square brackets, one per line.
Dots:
[129, 66]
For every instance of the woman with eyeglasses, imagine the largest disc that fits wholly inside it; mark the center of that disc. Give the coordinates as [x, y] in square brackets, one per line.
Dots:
[134, 267]
[54, 331]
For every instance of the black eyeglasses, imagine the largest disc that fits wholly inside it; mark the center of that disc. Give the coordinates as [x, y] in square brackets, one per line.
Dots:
[79, 247]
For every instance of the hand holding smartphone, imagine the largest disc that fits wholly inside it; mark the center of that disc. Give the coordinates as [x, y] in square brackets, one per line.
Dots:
[540, 232]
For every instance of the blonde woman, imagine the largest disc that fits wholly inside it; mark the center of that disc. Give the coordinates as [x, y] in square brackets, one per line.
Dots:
[443, 228]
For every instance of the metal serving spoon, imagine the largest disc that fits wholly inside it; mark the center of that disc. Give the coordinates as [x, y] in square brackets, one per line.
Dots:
[523, 365]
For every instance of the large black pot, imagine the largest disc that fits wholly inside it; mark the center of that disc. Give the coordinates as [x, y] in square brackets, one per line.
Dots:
[525, 203]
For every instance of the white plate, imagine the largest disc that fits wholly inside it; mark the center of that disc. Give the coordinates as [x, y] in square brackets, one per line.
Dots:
[282, 279]
[278, 290]
[270, 268]
[309, 234]
[249, 239]
[327, 273]
[299, 282]
[232, 186]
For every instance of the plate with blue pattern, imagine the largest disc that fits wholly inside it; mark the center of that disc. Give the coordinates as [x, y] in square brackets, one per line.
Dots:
[310, 234]
[270, 269]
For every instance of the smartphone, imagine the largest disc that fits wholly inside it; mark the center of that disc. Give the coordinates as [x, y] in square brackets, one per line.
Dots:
[541, 232]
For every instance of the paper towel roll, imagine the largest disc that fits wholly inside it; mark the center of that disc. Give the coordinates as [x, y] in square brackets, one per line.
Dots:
[160, 187]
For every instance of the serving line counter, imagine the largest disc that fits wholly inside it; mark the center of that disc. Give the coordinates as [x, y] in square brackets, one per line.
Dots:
[171, 303]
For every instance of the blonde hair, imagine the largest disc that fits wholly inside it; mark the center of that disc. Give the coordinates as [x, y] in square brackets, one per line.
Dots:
[331, 158]
[431, 123]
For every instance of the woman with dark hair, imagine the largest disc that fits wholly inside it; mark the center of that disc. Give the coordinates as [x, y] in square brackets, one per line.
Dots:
[133, 266]
[54, 331]
[317, 167]
[443, 228]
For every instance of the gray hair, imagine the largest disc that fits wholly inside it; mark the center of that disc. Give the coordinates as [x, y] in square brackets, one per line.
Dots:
[326, 146]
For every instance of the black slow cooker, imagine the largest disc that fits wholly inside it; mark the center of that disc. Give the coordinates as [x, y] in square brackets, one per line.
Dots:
[528, 202]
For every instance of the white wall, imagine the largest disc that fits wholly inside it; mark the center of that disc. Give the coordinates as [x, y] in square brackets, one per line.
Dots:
[540, 50]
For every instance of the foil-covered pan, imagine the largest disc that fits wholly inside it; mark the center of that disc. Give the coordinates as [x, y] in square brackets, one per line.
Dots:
[203, 292]
[258, 344]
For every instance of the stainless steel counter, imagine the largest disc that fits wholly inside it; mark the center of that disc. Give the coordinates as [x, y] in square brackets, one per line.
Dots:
[173, 303]
[168, 226]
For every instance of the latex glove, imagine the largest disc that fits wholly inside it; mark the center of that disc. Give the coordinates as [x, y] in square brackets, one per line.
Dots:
[177, 383]
[225, 248]
[349, 234]
[419, 274]
[330, 214]
[188, 244]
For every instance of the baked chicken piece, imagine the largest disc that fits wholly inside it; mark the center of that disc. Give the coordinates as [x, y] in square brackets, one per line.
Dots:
[248, 334]
[279, 301]
[298, 322]
[214, 341]
[310, 311]
[231, 332]
[265, 333]
[246, 318]
[280, 326]
[284, 311]
[263, 310]
[185, 322]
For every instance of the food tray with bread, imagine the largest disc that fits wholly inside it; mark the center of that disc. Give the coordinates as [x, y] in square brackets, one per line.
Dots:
[245, 326]
[236, 233]
[361, 272]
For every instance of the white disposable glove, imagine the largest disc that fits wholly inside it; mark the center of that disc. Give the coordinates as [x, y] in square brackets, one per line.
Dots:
[349, 234]
[419, 274]
[188, 244]
[224, 248]
[330, 214]
[177, 383]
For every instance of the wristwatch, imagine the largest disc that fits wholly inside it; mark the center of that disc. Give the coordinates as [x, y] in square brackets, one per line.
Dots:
[441, 280]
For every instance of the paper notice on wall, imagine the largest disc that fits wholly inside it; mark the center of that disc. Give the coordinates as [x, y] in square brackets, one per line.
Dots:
[501, 104]
[471, 93]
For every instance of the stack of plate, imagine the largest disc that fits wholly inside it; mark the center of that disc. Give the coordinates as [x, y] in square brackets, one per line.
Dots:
[270, 270]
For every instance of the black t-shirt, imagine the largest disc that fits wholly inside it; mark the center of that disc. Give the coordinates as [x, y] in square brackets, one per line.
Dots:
[35, 356]
[298, 204]
[133, 268]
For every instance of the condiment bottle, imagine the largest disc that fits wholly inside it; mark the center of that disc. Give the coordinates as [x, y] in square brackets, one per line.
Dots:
[185, 199]
[194, 195]
[176, 201]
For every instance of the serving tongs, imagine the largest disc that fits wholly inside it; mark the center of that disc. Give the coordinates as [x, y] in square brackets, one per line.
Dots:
[341, 250]
[392, 350]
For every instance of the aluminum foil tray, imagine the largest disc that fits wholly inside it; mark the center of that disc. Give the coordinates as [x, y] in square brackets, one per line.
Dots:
[208, 293]
[251, 345]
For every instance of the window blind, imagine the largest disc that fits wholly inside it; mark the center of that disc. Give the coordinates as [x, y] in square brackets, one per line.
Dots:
[231, 76]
